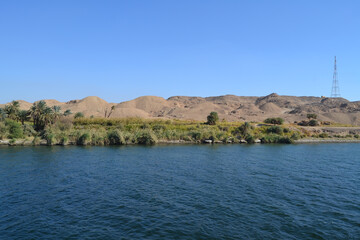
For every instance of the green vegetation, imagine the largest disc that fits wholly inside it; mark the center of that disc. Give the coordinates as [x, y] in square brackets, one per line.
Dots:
[311, 116]
[276, 121]
[79, 115]
[51, 126]
[213, 118]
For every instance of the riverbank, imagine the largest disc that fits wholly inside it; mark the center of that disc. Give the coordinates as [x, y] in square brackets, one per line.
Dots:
[25, 142]
[327, 140]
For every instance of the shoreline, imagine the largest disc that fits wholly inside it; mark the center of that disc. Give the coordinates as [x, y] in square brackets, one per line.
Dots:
[174, 142]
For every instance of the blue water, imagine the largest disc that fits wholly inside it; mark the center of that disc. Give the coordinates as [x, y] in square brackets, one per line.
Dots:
[181, 192]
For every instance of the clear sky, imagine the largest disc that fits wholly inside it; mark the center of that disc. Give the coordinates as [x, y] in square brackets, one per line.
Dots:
[120, 50]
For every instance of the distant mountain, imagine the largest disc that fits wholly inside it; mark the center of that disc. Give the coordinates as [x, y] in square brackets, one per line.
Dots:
[229, 107]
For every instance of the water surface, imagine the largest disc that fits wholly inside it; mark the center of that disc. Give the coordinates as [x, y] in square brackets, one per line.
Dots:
[181, 192]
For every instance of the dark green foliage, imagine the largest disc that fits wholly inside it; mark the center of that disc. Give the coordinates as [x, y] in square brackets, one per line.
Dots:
[295, 136]
[213, 118]
[244, 130]
[83, 139]
[277, 121]
[3, 131]
[29, 130]
[250, 138]
[158, 127]
[12, 110]
[67, 112]
[116, 138]
[49, 136]
[311, 116]
[275, 129]
[313, 123]
[23, 116]
[323, 135]
[356, 136]
[79, 115]
[146, 137]
[41, 115]
[15, 129]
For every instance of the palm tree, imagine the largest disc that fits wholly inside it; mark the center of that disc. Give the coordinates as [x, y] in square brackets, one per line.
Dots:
[12, 110]
[23, 116]
[41, 115]
[2, 114]
[56, 113]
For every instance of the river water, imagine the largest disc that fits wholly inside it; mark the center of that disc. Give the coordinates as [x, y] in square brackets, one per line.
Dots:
[309, 191]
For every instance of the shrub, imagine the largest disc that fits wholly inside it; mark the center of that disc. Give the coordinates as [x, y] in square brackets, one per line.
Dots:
[277, 121]
[29, 130]
[15, 129]
[49, 137]
[276, 139]
[243, 130]
[36, 140]
[3, 131]
[323, 135]
[79, 115]
[311, 116]
[196, 135]
[116, 137]
[295, 136]
[64, 139]
[146, 137]
[83, 139]
[158, 127]
[250, 139]
[213, 118]
[275, 129]
[63, 124]
[356, 136]
[313, 123]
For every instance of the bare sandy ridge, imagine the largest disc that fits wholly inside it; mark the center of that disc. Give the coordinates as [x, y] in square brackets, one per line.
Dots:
[229, 107]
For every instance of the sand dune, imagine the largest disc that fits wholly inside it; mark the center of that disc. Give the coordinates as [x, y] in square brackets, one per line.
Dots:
[229, 107]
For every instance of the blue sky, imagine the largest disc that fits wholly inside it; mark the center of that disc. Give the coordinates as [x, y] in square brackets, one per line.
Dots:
[119, 50]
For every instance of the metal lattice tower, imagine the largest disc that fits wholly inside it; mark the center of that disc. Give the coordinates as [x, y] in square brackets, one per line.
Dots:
[335, 91]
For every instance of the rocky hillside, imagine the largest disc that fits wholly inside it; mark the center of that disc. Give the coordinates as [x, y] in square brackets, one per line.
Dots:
[229, 107]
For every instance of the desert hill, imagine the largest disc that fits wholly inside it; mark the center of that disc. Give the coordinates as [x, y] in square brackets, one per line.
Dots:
[229, 107]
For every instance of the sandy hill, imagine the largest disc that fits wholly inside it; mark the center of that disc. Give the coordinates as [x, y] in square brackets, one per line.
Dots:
[229, 107]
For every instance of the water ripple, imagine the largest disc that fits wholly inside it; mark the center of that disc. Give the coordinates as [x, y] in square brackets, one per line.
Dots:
[181, 192]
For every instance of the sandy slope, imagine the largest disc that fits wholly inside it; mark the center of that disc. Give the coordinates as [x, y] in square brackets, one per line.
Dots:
[229, 107]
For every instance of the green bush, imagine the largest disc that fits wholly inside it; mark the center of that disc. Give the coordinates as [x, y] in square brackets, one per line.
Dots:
[79, 115]
[277, 121]
[36, 140]
[49, 137]
[311, 116]
[213, 118]
[250, 139]
[323, 135]
[15, 129]
[83, 139]
[146, 137]
[243, 130]
[275, 129]
[313, 123]
[116, 137]
[295, 136]
[3, 131]
[28, 130]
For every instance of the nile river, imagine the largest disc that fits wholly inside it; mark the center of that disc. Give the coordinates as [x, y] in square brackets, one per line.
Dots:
[309, 191]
